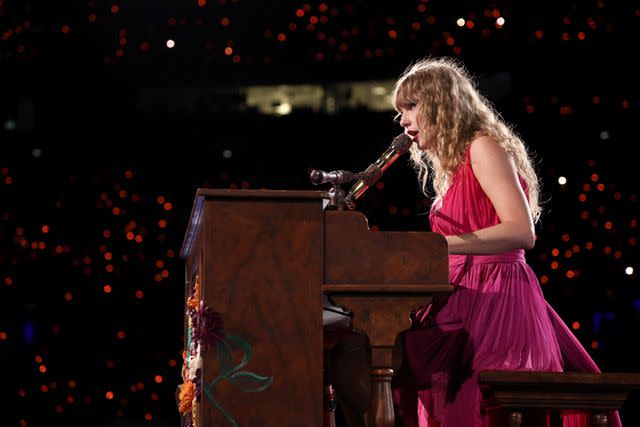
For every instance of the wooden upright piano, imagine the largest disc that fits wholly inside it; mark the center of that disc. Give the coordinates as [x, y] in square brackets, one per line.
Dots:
[263, 259]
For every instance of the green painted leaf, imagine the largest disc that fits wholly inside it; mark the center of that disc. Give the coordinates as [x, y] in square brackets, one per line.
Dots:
[250, 382]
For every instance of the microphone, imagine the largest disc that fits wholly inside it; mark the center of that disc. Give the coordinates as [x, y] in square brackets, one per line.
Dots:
[399, 146]
[335, 177]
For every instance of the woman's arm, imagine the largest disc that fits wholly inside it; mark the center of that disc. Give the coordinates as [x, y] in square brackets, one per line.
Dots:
[497, 174]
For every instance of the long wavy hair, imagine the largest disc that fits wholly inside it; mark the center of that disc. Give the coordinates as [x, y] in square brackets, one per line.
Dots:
[451, 114]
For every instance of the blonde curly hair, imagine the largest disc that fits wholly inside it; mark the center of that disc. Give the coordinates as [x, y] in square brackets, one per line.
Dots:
[452, 113]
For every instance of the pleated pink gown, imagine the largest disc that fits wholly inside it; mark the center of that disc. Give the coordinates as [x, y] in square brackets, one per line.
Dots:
[496, 318]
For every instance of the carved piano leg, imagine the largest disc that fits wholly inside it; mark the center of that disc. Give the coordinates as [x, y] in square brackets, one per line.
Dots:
[515, 419]
[600, 419]
[381, 409]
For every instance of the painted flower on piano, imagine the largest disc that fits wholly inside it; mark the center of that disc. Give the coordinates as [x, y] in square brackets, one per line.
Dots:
[206, 332]
[207, 326]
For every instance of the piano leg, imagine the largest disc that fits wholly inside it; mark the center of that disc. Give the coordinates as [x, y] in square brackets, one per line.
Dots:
[381, 408]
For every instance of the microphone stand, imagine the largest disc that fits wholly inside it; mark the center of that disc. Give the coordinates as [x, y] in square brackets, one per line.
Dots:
[336, 198]
[336, 193]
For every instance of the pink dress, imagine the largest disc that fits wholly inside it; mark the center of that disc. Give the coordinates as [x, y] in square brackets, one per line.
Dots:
[496, 318]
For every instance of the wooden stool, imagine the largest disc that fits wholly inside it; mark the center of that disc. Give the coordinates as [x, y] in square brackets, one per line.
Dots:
[598, 394]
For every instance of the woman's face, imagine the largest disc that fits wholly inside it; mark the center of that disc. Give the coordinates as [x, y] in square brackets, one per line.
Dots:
[408, 119]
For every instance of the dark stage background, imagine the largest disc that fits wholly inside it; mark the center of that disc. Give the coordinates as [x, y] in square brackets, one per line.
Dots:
[107, 133]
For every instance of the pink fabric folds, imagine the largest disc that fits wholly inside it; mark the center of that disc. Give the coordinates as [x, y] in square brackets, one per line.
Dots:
[496, 318]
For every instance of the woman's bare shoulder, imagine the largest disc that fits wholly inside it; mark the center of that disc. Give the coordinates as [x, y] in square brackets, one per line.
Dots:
[486, 148]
